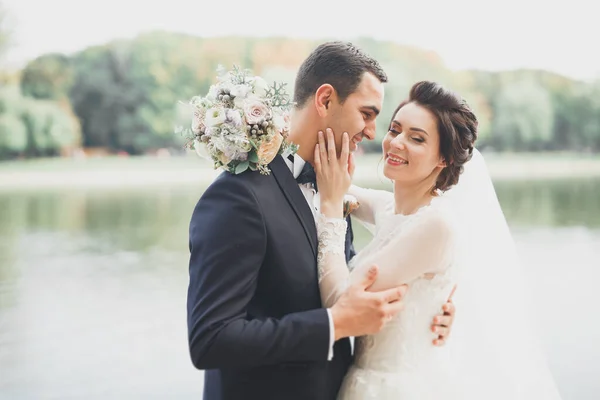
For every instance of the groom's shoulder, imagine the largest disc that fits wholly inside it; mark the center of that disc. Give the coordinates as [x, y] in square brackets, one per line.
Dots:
[228, 185]
[248, 179]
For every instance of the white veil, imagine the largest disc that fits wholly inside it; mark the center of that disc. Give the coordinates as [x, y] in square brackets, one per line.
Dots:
[494, 338]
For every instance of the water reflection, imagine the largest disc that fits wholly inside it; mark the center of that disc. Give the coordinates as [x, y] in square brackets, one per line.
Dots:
[92, 287]
[551, 203]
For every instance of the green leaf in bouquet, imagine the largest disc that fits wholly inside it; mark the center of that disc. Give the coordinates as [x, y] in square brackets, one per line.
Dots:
[241, 167]
[253, 157]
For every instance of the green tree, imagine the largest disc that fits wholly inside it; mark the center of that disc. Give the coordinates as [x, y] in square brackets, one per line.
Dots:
[524, 117]
[13, 136]
[47, 77]
[50, 128]
[125, 93]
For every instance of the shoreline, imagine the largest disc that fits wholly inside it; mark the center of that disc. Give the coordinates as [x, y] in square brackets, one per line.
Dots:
[184, 171]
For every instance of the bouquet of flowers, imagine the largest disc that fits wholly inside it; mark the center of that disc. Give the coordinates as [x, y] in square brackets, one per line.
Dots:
[242, 123]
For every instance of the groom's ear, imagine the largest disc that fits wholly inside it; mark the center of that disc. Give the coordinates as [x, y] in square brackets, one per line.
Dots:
[324, 97]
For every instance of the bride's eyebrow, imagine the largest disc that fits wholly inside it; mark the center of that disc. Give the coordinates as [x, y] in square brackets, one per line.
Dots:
[412, 128]
[419, 130]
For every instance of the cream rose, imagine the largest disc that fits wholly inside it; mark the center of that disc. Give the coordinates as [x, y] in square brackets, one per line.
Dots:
[268, 150]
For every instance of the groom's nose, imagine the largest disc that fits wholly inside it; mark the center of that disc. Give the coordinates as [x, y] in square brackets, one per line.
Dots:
[369, 131]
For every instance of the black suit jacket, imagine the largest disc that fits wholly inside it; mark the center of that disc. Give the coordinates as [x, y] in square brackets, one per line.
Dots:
[255, 319]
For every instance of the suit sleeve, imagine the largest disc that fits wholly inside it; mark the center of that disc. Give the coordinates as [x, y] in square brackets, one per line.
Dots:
[227, 248]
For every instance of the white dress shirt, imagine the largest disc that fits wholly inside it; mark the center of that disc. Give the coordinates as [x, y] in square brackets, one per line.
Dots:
[312, 198]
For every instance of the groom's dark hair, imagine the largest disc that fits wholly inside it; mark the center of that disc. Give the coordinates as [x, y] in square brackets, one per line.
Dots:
[340, 64]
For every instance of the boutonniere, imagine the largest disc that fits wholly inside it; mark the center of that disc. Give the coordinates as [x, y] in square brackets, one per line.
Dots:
[350, 204]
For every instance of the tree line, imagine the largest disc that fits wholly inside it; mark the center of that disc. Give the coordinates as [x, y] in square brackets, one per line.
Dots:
[122, 96]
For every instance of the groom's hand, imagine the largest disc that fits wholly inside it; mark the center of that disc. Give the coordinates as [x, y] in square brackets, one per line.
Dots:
[442, 324]
[358, 312]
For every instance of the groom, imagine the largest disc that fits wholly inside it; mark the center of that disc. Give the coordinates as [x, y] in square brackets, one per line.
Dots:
[255, 319]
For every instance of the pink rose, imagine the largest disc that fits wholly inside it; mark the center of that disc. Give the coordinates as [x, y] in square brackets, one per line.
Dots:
[255, 111]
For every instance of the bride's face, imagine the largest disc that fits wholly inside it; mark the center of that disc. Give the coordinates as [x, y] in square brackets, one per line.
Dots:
[411, 148]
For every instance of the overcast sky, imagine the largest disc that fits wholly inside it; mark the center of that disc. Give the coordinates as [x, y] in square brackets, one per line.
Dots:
[481, 34]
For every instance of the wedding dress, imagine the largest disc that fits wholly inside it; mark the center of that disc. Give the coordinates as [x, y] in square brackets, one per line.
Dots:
[432, 250]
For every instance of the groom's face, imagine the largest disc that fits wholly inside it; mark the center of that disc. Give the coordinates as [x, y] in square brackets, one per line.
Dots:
[358, 113]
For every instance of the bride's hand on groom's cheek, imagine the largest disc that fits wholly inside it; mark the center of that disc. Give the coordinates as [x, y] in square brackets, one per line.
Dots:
[334, 174]
[442, 324]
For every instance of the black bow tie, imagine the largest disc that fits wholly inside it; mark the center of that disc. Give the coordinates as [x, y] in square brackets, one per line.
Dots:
[307, 175]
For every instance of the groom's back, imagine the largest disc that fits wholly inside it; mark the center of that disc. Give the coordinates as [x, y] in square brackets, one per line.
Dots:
[276, 253]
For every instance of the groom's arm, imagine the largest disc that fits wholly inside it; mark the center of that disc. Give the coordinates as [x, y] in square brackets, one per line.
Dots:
[227, 246]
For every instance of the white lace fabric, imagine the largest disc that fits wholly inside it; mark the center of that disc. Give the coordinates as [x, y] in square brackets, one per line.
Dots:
[416, 249]
[331, 233]
[462, 237]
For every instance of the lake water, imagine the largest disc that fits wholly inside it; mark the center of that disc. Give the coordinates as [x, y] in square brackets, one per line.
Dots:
[93, 288]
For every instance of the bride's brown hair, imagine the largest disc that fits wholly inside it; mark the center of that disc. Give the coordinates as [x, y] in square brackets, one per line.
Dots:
[456, 123]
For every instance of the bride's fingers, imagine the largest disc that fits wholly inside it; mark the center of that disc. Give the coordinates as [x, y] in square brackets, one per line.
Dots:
[441, 332]
[351, 164]
[449, 309]
[322, 148]
[442, 320]
[331, 153]
[345, 150]
[317, 159]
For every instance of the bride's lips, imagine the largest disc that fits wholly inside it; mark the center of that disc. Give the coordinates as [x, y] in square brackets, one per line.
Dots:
[395, 160]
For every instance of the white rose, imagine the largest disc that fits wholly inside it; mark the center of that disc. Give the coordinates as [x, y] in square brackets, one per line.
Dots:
[201, 150]
[234, 118]
[255, 111]
[260, 86]
[213, 92]
[279, 123]
[241, 91]
[214, 117]
[226, 87]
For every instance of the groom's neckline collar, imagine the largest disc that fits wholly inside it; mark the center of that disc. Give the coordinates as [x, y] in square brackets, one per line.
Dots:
[295, 166]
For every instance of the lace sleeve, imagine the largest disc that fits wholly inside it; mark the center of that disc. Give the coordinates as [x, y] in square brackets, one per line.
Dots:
[370, 202]
[331, 259]
[424, 246]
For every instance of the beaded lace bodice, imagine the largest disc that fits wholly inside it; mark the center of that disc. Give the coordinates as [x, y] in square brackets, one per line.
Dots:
[416, 249]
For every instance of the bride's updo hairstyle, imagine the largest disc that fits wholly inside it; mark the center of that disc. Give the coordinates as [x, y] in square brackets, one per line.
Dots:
[456, 123]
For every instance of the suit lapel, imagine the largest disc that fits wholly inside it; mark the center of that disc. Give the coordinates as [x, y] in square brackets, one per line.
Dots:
[294, 196]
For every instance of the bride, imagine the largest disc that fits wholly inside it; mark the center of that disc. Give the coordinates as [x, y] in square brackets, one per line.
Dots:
[432, 233]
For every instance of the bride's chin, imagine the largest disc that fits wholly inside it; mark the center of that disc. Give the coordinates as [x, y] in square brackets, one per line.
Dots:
[388, 174]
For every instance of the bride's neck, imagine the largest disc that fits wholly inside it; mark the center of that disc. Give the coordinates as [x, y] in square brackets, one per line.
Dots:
[409, 198]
